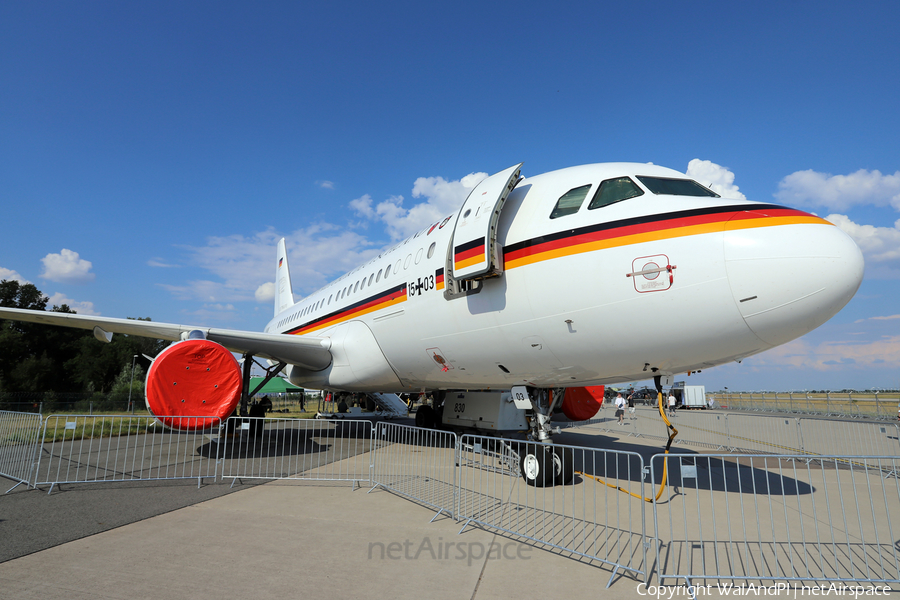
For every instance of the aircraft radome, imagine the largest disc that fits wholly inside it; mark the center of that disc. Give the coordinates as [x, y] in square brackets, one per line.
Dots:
[579, 277]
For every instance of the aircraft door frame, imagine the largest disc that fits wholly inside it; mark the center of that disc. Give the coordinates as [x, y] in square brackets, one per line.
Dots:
[473, 246]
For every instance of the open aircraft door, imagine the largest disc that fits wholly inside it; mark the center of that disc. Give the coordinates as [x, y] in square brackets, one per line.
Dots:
[474, 253]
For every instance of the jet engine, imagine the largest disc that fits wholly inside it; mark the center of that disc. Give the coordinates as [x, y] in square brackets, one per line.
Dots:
[582, 403]
[193, 378]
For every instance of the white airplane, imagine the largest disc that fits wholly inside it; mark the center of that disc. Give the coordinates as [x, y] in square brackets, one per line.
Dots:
[579, 277]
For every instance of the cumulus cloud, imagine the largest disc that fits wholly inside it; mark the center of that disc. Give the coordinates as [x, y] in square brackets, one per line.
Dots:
[840, 192]
[879, 244]
[715, 177]
[441, 198]
[10, 275]
[82, 308]
[67, 267]
[265, 292]
[245, 265]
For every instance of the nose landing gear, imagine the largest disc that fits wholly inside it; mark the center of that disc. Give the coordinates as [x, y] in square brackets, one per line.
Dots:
[541, 463]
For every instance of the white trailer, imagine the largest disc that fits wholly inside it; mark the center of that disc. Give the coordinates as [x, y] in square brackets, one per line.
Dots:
[693, 396]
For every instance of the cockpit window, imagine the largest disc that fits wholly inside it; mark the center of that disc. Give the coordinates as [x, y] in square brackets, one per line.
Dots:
[676, 187]
[615, 190]
[570, 202]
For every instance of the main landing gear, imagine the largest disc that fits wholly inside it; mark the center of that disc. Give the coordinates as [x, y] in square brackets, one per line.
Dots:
[541, 463]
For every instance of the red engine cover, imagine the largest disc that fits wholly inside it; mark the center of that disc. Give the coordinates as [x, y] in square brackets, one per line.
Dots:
[193, 378]
[582, 403]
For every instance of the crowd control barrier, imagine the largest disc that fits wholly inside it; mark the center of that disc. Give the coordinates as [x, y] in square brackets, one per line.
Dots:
[95, 448]
[751, 518]
[20, 438]
[419, 464]
[593, 504]
[307, 449]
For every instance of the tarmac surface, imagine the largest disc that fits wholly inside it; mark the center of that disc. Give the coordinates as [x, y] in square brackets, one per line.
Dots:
[281, 539]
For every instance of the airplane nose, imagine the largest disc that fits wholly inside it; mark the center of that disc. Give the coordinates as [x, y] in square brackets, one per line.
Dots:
[789, 279]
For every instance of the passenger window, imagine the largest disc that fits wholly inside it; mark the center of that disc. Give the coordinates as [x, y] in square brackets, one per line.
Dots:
[614, 190]
[387, 271]
[371, 278]
[570, 202]
[329, 298]
[378, 277]
[419, 255]
[431, 249]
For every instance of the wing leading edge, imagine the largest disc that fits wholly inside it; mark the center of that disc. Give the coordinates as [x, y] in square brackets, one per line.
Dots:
[306, 352]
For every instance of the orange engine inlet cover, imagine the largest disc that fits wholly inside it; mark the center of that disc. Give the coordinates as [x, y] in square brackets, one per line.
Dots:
[193, 378]
[582, 403]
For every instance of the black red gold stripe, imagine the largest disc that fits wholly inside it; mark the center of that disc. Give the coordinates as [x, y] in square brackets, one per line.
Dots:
[652, 228]
[439, 279]
[468, 254]
[393, 296]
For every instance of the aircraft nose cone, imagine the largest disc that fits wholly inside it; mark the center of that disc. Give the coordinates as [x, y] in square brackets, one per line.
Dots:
[787, 280]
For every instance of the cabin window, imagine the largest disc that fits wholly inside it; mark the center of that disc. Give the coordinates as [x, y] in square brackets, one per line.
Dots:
[419, 255]
[329, 298]
[397, 266]
[431, 249]
[371, 278]
[378, 277]
[387, 271]
[356, 287]
[615, 190]
[570, 202]
[406, 262]
[676, 187]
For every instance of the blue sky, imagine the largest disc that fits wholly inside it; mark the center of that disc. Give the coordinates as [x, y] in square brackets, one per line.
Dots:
[152, 154]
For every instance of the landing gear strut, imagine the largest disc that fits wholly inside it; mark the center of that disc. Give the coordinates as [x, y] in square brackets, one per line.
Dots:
[541, 463]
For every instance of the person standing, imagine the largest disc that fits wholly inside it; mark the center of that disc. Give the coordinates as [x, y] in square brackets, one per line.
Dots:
[631, 414]
[671, 401]
[620, 409]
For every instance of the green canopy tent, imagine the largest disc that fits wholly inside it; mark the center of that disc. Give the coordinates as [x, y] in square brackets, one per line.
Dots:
[276, 385]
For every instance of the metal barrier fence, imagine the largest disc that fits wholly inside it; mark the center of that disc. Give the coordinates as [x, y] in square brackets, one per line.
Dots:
[589, 516]
[777, 518]
[873, 405]
[90, 449]
[417, 463]
[769, 434]
[20, 437]
[308, 449]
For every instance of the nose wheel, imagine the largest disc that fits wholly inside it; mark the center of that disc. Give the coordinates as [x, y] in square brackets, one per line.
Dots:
[543, 465]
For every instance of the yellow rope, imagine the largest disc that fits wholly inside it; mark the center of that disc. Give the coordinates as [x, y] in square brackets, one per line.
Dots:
[662, 484]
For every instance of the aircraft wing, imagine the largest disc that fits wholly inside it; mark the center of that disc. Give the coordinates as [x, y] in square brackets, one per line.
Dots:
[307, 352]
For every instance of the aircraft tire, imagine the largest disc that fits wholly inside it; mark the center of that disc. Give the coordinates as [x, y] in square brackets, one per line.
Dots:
[563, 465]
[425, 417]
[536, 465]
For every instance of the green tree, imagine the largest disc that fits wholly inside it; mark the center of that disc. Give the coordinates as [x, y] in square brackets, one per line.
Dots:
[41, 358]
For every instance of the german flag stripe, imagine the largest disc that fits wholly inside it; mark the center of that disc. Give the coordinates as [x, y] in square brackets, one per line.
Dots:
[390, 297]
[652, 228]
[439, 279]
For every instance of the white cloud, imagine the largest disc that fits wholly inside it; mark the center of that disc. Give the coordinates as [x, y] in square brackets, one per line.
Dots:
[328, 185]
[158, 262]
[67, 267]
[717, 178]
[840, 192]
[878, 244]
[881, 353]
[265, 292]
[245, 265]
[441, 198]
[11, 275]
[82, 308]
